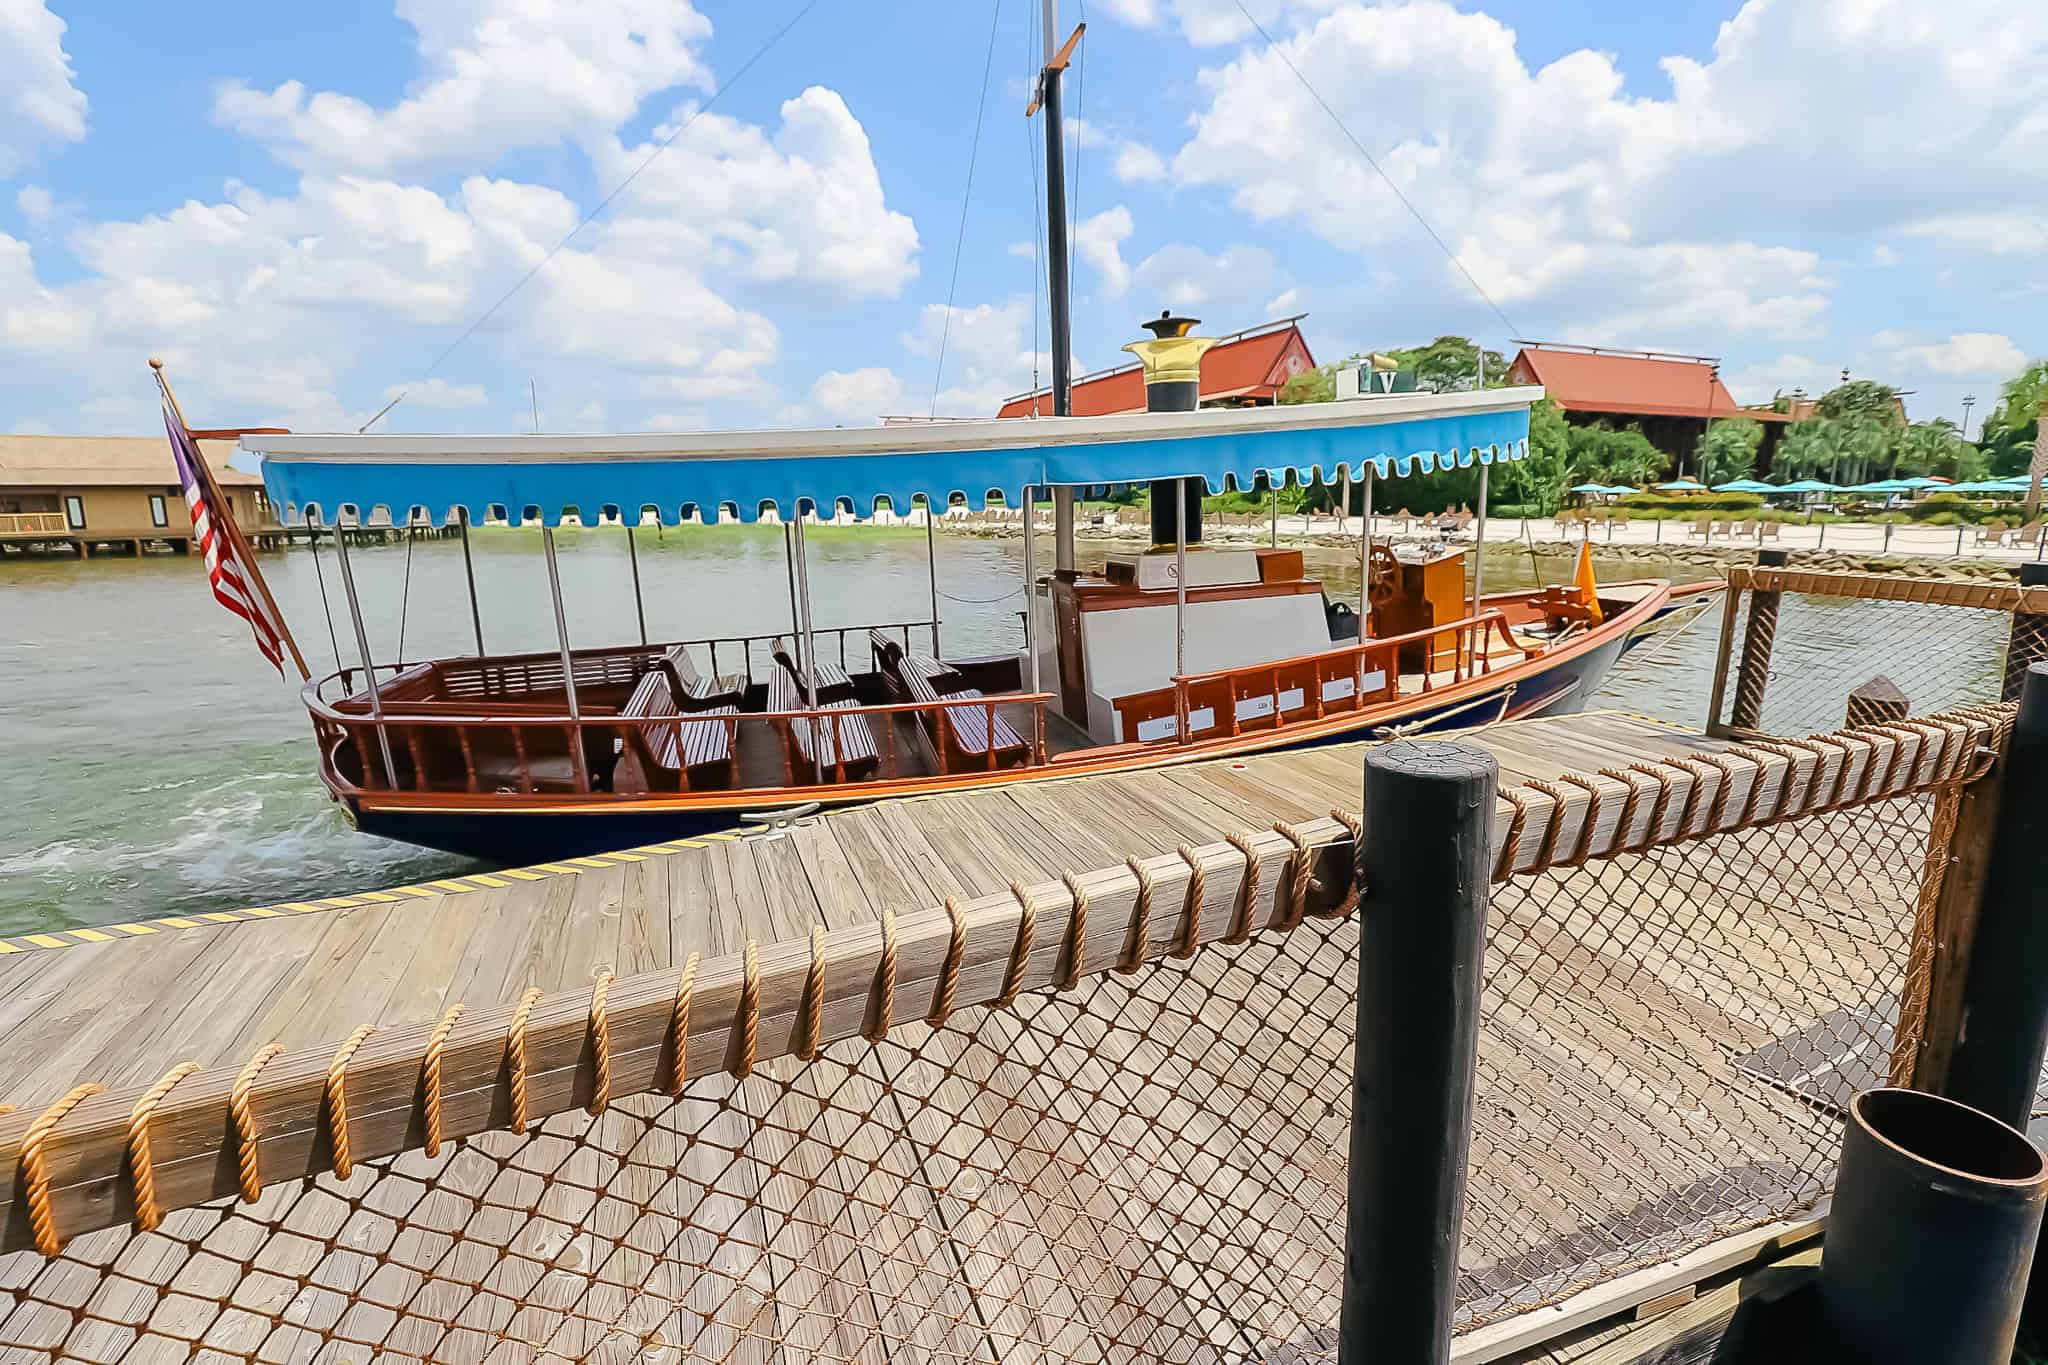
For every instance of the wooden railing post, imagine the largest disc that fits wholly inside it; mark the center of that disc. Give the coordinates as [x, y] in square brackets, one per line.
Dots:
[1762, 630]
[1423, 872]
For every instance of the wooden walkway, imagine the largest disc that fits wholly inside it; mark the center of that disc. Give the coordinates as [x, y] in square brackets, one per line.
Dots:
[1613, 1124]
[121, 1004]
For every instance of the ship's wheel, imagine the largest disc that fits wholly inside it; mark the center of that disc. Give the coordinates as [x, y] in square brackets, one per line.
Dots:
[1382, 576]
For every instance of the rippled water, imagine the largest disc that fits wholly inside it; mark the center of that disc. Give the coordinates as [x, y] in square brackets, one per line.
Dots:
[152, 764]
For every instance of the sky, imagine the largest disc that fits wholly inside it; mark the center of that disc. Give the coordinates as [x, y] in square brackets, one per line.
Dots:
[308, 211]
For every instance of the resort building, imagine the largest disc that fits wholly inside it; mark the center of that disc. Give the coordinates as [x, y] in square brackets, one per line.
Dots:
[1670, 398]
[89, 493]
[1245, 369]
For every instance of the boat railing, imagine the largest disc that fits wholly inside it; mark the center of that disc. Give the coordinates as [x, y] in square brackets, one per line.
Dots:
[1342, 679]
[478, 677]
[451, 747]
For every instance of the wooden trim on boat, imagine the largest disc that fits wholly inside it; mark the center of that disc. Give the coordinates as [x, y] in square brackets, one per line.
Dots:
[1118, 758]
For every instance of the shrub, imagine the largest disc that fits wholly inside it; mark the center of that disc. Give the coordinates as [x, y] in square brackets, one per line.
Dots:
[1652, 503]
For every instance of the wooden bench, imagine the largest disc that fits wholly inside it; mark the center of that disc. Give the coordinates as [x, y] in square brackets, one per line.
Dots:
[964, 737]
[693, 754]
[726, 689]
[839, 748]
[830, 680]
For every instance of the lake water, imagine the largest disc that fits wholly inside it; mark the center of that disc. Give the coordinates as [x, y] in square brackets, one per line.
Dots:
[152, 764]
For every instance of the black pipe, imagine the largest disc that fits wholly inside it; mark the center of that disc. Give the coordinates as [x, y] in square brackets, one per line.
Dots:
[1424, 864]
[1936, 1210]
[2002, 1030]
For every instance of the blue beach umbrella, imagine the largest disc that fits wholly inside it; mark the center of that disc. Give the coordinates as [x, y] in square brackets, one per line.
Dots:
[1807, 486]
[1682, 486]
[1746, 486]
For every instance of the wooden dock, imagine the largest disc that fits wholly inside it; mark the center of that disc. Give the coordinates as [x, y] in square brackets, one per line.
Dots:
[1618, 1001]
[121, 1003]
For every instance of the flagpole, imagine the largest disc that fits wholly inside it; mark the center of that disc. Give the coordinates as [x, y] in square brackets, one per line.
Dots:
[227, 520]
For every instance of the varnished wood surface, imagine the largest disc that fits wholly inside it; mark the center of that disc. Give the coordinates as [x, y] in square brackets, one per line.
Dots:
[126, 1010]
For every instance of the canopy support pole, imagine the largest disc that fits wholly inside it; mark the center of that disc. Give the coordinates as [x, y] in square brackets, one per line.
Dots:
[1063, 530]
[1031, 581]
[633, 557]
[1365, 554]
[476, 618]
[1479, 542]
[547, 544]
[931, 564]
[1180, 610]
[1273, 496]
[355, 618]
[803, 597]
[796, 620]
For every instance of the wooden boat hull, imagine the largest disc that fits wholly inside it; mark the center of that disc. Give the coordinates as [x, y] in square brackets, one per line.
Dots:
[524, 830]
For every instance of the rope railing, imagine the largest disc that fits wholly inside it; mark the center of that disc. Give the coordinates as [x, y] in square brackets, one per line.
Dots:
[96, 1159]
[1945, 592]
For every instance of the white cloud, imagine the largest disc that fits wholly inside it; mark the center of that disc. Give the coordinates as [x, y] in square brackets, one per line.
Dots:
[1136, 161]
[499, 75]
[1579, 204]
[1282, 303]
[804, 205]
[38, 102]
[991, 355]
[1976, 355]
[437, 393]
[1784, 374]
[1098, 240]
[859, 397]
[35, 203]
[1183, 277]
[2001, 234]
[1883, 255]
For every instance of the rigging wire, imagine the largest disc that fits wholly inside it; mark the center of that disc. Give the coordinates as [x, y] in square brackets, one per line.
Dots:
[1373, 162]
[313, 539]
[966, 197]
[602, 204]
[1074, 183]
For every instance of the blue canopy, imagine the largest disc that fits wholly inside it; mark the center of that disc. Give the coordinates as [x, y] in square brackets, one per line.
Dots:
[511, 476]
[1987, 486]
[1620, 488]
[1682, 486]
[1807, 486]
[1884, 486]
[1591, 488]
[1746, 486]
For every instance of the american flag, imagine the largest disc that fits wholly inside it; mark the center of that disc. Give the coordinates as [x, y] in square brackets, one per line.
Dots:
[233, 577]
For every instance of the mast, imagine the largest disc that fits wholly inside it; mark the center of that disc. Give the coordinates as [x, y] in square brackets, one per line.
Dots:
[1061, 302]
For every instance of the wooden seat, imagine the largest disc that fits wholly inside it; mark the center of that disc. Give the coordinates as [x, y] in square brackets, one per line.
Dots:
[963, 737]
[698, 691]
[693, 755]
[841, 747]
[830, 681]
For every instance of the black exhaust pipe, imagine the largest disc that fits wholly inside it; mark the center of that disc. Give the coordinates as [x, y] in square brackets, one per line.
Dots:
[1936, 1210]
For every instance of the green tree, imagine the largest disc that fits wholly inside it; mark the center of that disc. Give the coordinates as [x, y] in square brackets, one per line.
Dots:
[1318, 385]
[1728, 450]
[1451, 364]
[2012, 432]
[1861, 398]
[1539, 481]
[1600, 454]
[1935, 447]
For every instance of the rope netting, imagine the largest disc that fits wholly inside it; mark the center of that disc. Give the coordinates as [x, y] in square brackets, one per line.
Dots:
[1939, 644]
[1144, 1162]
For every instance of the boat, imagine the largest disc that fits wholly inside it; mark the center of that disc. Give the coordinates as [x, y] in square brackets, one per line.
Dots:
[1181, 652]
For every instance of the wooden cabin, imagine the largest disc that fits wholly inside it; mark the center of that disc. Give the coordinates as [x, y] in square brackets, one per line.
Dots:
[88, 493]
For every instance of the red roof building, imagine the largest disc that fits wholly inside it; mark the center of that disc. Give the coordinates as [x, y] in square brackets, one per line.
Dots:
[1672, 398]
[1244, 369]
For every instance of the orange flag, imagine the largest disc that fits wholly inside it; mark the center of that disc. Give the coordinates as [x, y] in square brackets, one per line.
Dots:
[1582, 579]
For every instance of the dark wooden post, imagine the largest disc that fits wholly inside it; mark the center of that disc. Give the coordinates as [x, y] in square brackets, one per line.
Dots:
[1424, 865]
[1877, 702]
[1755, 672]
[2028, 642]
[2002, 1028]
